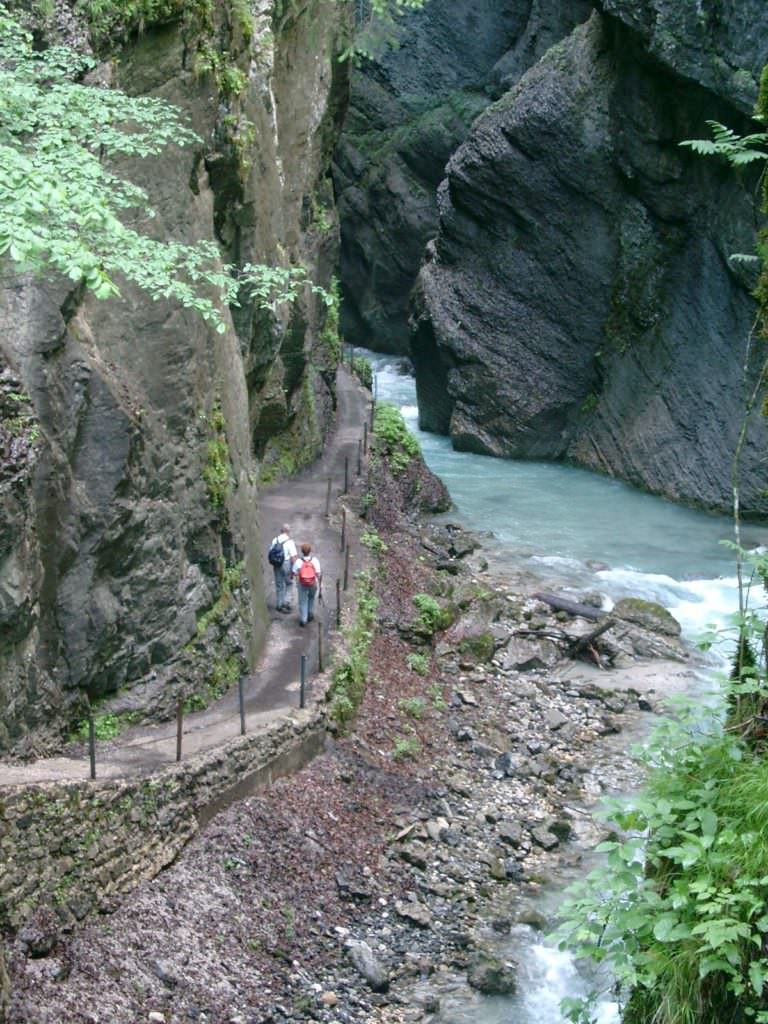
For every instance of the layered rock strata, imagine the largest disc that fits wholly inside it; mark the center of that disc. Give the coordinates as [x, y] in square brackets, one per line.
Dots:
[577, 299]
[410, 107]
[579, 302]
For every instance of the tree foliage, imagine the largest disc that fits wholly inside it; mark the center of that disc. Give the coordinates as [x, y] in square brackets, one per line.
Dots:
[738, 150]
[62, 208]
[377, 26]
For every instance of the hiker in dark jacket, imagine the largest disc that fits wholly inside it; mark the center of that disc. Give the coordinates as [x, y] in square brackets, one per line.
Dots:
[308, 576]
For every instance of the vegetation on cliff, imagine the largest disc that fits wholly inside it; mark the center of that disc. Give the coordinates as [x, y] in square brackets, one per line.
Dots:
[62, 209]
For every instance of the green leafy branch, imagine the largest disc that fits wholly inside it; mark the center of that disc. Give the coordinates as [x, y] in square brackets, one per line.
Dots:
[738, 150]
[62, 209]
[377, 27]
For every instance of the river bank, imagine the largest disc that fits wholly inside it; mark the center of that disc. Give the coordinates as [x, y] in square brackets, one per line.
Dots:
[374, 883]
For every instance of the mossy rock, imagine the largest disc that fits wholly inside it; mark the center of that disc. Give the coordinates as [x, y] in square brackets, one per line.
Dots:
[491, 976]
[479, 647]
[647, 614]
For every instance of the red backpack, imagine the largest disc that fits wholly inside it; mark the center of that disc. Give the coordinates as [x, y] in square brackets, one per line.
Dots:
[307, 574]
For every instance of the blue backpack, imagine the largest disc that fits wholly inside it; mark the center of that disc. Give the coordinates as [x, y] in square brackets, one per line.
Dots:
[276, 554]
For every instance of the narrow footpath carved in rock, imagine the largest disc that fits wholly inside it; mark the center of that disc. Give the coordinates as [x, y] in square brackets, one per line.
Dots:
[274, 687]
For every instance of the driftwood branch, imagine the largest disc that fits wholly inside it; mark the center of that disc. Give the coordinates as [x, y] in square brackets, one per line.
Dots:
[583, 643]
[575, 646]
[562, 604]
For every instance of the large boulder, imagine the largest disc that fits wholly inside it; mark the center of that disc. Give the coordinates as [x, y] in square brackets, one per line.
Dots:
[648, 614]
[491, 976]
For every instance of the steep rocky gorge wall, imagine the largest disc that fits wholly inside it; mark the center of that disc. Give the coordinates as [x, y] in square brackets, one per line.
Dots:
[409, 109]
[577, 300]
[133, 435]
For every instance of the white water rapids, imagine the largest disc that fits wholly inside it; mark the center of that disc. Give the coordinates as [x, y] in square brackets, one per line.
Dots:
[572, 528]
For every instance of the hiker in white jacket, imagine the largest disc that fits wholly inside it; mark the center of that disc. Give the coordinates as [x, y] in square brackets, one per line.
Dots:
[283, 572]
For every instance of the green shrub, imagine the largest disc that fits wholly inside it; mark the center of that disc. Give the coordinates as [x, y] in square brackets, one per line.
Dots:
[330, 336]
[371, 540]
[363, 370]
[405, 747]
[431, 616]
[105, 727]
[679, 914]
[217, 471]
[394, 442]
[480, 647]
[418, 663]
[349, 678]
[435, 694]
[413, 707]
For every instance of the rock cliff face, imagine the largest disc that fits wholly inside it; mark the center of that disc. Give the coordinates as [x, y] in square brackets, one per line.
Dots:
[132, 435]
[577, 301]
[409, 110]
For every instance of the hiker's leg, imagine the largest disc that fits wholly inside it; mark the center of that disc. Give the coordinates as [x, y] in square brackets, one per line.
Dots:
[288, 596]
[303, 604]
[311, 591]
[279, 586]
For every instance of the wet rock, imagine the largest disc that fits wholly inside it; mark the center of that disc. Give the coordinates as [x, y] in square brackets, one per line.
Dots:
[464, 734]
[485, 750]
[534, 919]
[647, 614]
[415, 854]
[497, 869]
[562, 828]
[467, 697]
[164, 972]
[414, 913]
[510, 832]
[502, 925]
[609, 726]
[435, 828]
[351, 885]
[431, 1002]
[38, 935]
[555, 719]
[544, 838]
[515, 870]
[491, 976]
[508, 764]
[367, 964]
[450, 837]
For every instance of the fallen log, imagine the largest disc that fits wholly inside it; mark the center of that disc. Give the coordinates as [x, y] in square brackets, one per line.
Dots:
[562, 604]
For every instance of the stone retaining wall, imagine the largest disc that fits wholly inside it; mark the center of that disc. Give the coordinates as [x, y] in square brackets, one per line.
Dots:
[79, 846]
